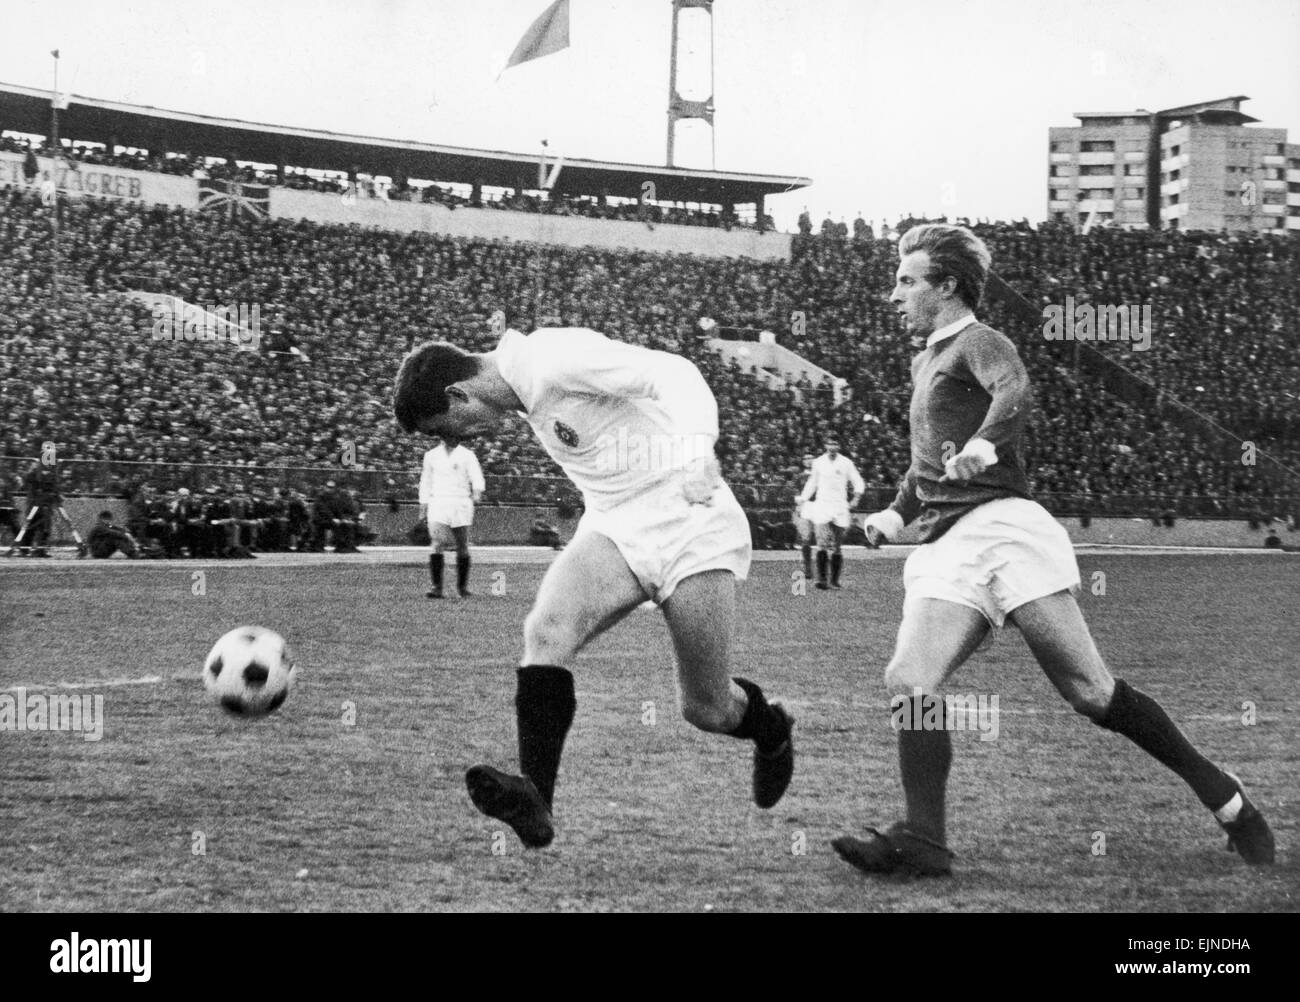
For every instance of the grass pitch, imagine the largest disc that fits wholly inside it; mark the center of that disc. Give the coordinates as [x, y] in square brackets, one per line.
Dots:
[352, 796]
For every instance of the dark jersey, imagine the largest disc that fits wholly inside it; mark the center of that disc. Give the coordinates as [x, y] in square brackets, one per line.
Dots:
[216, 508]
[159, 509]
[969, 385]
[103, 539]
[42, 483]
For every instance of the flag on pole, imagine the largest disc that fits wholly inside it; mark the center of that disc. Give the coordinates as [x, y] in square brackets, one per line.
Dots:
[549, 33]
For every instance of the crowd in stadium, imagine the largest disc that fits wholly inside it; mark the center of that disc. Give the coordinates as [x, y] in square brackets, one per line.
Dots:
[339, 306]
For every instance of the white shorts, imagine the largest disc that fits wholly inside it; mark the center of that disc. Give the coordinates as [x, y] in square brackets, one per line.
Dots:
[665, 540]
[829, 513]
[450, 512]
[994, 559]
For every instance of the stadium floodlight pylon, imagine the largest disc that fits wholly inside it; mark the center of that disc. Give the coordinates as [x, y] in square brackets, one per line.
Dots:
[678, 106]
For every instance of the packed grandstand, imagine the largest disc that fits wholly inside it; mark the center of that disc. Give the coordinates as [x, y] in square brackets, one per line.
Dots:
[340, 305]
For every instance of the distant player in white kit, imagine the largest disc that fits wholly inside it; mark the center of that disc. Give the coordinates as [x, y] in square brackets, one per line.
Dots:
[828, 490]
[634, 429]
[451, 484]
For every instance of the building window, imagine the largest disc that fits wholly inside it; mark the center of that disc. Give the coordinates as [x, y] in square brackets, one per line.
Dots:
[1060, 146]
[1175, 174]
[1174, 150]
[1135, 170]
[1096, 170]
[1097, 146]
[1060, 170]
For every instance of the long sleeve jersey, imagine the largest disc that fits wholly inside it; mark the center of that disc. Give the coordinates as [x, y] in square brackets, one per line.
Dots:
[969, 385]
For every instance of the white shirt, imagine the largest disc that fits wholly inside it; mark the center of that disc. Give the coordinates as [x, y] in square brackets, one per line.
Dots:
[621, 420]
[829, 480]
[450, 475]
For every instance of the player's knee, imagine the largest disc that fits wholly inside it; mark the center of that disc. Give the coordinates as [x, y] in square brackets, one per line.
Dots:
[903, 676]
[549, 637]
[1092, 701]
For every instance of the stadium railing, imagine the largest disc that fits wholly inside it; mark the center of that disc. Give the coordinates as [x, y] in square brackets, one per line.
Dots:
[769, 502]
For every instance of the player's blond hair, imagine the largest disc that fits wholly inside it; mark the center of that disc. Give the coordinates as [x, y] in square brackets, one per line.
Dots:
[955, 252]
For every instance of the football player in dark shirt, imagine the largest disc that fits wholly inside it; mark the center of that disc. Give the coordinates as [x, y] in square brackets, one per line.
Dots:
[990, 553]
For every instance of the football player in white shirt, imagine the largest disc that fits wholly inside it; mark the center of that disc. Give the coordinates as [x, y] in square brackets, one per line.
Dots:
[828, 488]
[634, 429]
[451, 484]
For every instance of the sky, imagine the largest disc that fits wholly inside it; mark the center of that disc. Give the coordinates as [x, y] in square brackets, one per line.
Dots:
[891, 108]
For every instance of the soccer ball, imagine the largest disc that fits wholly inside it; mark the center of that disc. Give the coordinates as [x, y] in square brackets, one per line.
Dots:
[249, 671]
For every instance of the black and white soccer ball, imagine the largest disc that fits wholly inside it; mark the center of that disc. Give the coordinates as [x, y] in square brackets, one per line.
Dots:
[249, 671]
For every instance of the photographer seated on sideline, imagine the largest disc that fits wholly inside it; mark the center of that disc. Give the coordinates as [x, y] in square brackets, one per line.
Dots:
[105, 539]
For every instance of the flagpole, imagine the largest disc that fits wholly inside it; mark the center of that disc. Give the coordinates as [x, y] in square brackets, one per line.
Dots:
[54, 159]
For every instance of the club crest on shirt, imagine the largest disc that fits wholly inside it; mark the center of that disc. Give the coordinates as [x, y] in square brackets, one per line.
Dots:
[566, 434]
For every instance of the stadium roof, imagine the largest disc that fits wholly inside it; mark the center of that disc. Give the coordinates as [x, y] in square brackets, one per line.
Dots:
[27, 109]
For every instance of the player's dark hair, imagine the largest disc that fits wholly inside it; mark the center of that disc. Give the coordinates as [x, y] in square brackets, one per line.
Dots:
[106, 514]
[955, 252]
[421, 388]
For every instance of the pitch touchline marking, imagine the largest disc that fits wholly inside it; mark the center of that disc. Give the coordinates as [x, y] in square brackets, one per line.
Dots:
[99, 683]
[496, 556]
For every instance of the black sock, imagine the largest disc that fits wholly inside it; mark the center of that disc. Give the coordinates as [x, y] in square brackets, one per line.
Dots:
[924, 757]
[837, 561]
[807, 561]
[821, 566]
[435, 569]
[544, 705]
[760, 724]
[1140, 719]
[462, 570]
